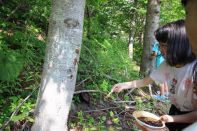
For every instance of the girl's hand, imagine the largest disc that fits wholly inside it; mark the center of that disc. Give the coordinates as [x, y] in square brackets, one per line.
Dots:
[120, 86]
[167, 118]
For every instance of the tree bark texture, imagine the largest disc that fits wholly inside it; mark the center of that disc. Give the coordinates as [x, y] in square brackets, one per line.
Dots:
[152, 23]
[60, 66]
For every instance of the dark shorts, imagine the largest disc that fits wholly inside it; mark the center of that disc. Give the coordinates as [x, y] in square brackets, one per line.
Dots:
[177, 126]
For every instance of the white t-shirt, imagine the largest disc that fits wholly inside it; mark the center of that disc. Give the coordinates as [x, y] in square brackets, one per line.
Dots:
[180, 83]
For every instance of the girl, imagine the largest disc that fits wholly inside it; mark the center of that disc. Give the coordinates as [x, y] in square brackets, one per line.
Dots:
[177, 71]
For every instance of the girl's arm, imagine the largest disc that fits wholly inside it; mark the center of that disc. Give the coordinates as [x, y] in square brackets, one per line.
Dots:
[186, 118]
[132, 84]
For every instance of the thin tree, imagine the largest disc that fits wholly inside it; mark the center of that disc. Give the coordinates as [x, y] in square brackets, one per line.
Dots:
[60, 66]
[132, 30]
[152, 23]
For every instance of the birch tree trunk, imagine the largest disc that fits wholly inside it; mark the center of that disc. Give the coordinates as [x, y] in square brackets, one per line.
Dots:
[152, 23]
[60, 66]
[130, 43]
[132, 31]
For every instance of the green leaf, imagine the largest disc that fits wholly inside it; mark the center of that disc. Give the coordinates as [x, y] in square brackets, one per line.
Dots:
[126, 98]
[116, 120]
[111, 113]
[18, 117]
[104, 118]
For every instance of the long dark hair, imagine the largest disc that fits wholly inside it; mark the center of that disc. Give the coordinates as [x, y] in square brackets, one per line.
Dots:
[179, 51]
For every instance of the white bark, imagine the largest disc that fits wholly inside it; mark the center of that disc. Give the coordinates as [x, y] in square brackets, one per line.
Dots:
[60, 67]
[131, 39]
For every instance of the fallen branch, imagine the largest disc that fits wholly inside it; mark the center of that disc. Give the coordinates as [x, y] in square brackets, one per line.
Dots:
[97, 110]
[124, 102]
[82, 91]
[82, 81]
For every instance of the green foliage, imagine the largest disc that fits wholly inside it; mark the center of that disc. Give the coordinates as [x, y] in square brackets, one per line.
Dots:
[139, 103]
[90, 121]
[142, 105]
[105, 50]
[116, 120]
[137, 52]
[171, 10]
[80, 117]
[11, 65]
[106, 64]
[24, 110]
[17, 52]
[104, 86]
[18, 48]
[22, 43]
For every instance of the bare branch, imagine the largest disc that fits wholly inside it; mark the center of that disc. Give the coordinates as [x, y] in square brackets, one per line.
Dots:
[82, 91]
[101, 109]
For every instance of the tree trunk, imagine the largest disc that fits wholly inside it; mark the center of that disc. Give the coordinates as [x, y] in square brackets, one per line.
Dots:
[132, 31]
[60, 66]
[152, 23]
[131, 41]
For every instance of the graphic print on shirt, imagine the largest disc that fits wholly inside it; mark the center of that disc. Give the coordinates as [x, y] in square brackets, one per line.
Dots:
[173, 85]
[188, 86]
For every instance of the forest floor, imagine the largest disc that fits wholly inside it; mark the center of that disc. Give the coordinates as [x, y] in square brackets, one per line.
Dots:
[113, 113]
[93, 111]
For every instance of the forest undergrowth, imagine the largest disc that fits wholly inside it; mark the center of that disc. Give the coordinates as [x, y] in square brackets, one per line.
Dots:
[112, 113]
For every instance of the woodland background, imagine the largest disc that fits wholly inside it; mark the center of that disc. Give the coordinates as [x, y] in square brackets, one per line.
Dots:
[105, 60]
